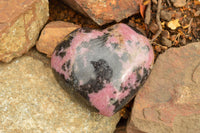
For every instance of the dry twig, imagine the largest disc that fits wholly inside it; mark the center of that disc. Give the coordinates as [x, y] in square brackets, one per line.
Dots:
[189, 28]
[148, 14]
[158, 21]
[168, 2]
[176, 38]
[155, 2]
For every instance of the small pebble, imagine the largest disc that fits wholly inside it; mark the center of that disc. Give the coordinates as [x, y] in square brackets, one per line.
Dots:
[164, 47]
[178, 15]
[184, 41]
[166, 15]
[173, 37]
[166, 42]
[153, 27]
[165, 34]
[158, 48]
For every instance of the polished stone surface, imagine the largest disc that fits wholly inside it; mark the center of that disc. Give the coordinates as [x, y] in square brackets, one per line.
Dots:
[106, 67]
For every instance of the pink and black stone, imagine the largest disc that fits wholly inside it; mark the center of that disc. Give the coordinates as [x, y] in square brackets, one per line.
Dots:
[105, 67]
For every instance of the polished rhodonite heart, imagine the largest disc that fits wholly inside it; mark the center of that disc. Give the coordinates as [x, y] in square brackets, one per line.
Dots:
[106, 67]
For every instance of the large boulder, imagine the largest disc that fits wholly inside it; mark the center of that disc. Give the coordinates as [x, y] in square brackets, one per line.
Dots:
[20, 24]
[33, 101]
[169, 101]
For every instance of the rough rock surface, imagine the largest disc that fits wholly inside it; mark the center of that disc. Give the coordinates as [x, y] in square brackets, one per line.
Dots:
[179, 3]
[169, 101]
[105, 11]
[20, 24]
[52, 34]
[105, 67]
[31, 100]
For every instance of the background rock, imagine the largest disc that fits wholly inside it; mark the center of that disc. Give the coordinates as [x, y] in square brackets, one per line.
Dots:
[32, 101]
[52, 34]
[165, 15]
[166, 42]
[179, 3]
[105, 11]
[169, 100]
[20, 24]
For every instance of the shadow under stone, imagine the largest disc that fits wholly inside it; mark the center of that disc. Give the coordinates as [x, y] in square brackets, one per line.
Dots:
[74, 95]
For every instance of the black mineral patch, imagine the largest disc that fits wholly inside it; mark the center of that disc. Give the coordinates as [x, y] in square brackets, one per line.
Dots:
[63, 45]
[114, 45]
[86, 29]
[68, 86]
[63, 67]
[66, 43]
[133, 91]
[62, 54]
[102, 70]
[103, 73]
[66, 65]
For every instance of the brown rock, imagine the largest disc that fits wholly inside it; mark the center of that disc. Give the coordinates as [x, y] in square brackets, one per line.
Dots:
[169, 101]
[20, 24]
[166, 15]
[53, 34]
[158, 48]
[178, 15]
[184, 41]
[166, 34]
[105, 11]
[164, 47]
[166, 42]
[33, 101]
[179, 3]
[173, 37]
[153, 27]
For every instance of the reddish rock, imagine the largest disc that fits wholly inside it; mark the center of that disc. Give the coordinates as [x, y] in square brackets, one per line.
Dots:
[20, 24]
[169, 100]
[53, 34]
[105, 11]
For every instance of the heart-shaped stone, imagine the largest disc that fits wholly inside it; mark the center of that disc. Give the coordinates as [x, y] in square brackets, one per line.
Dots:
[106, 67]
